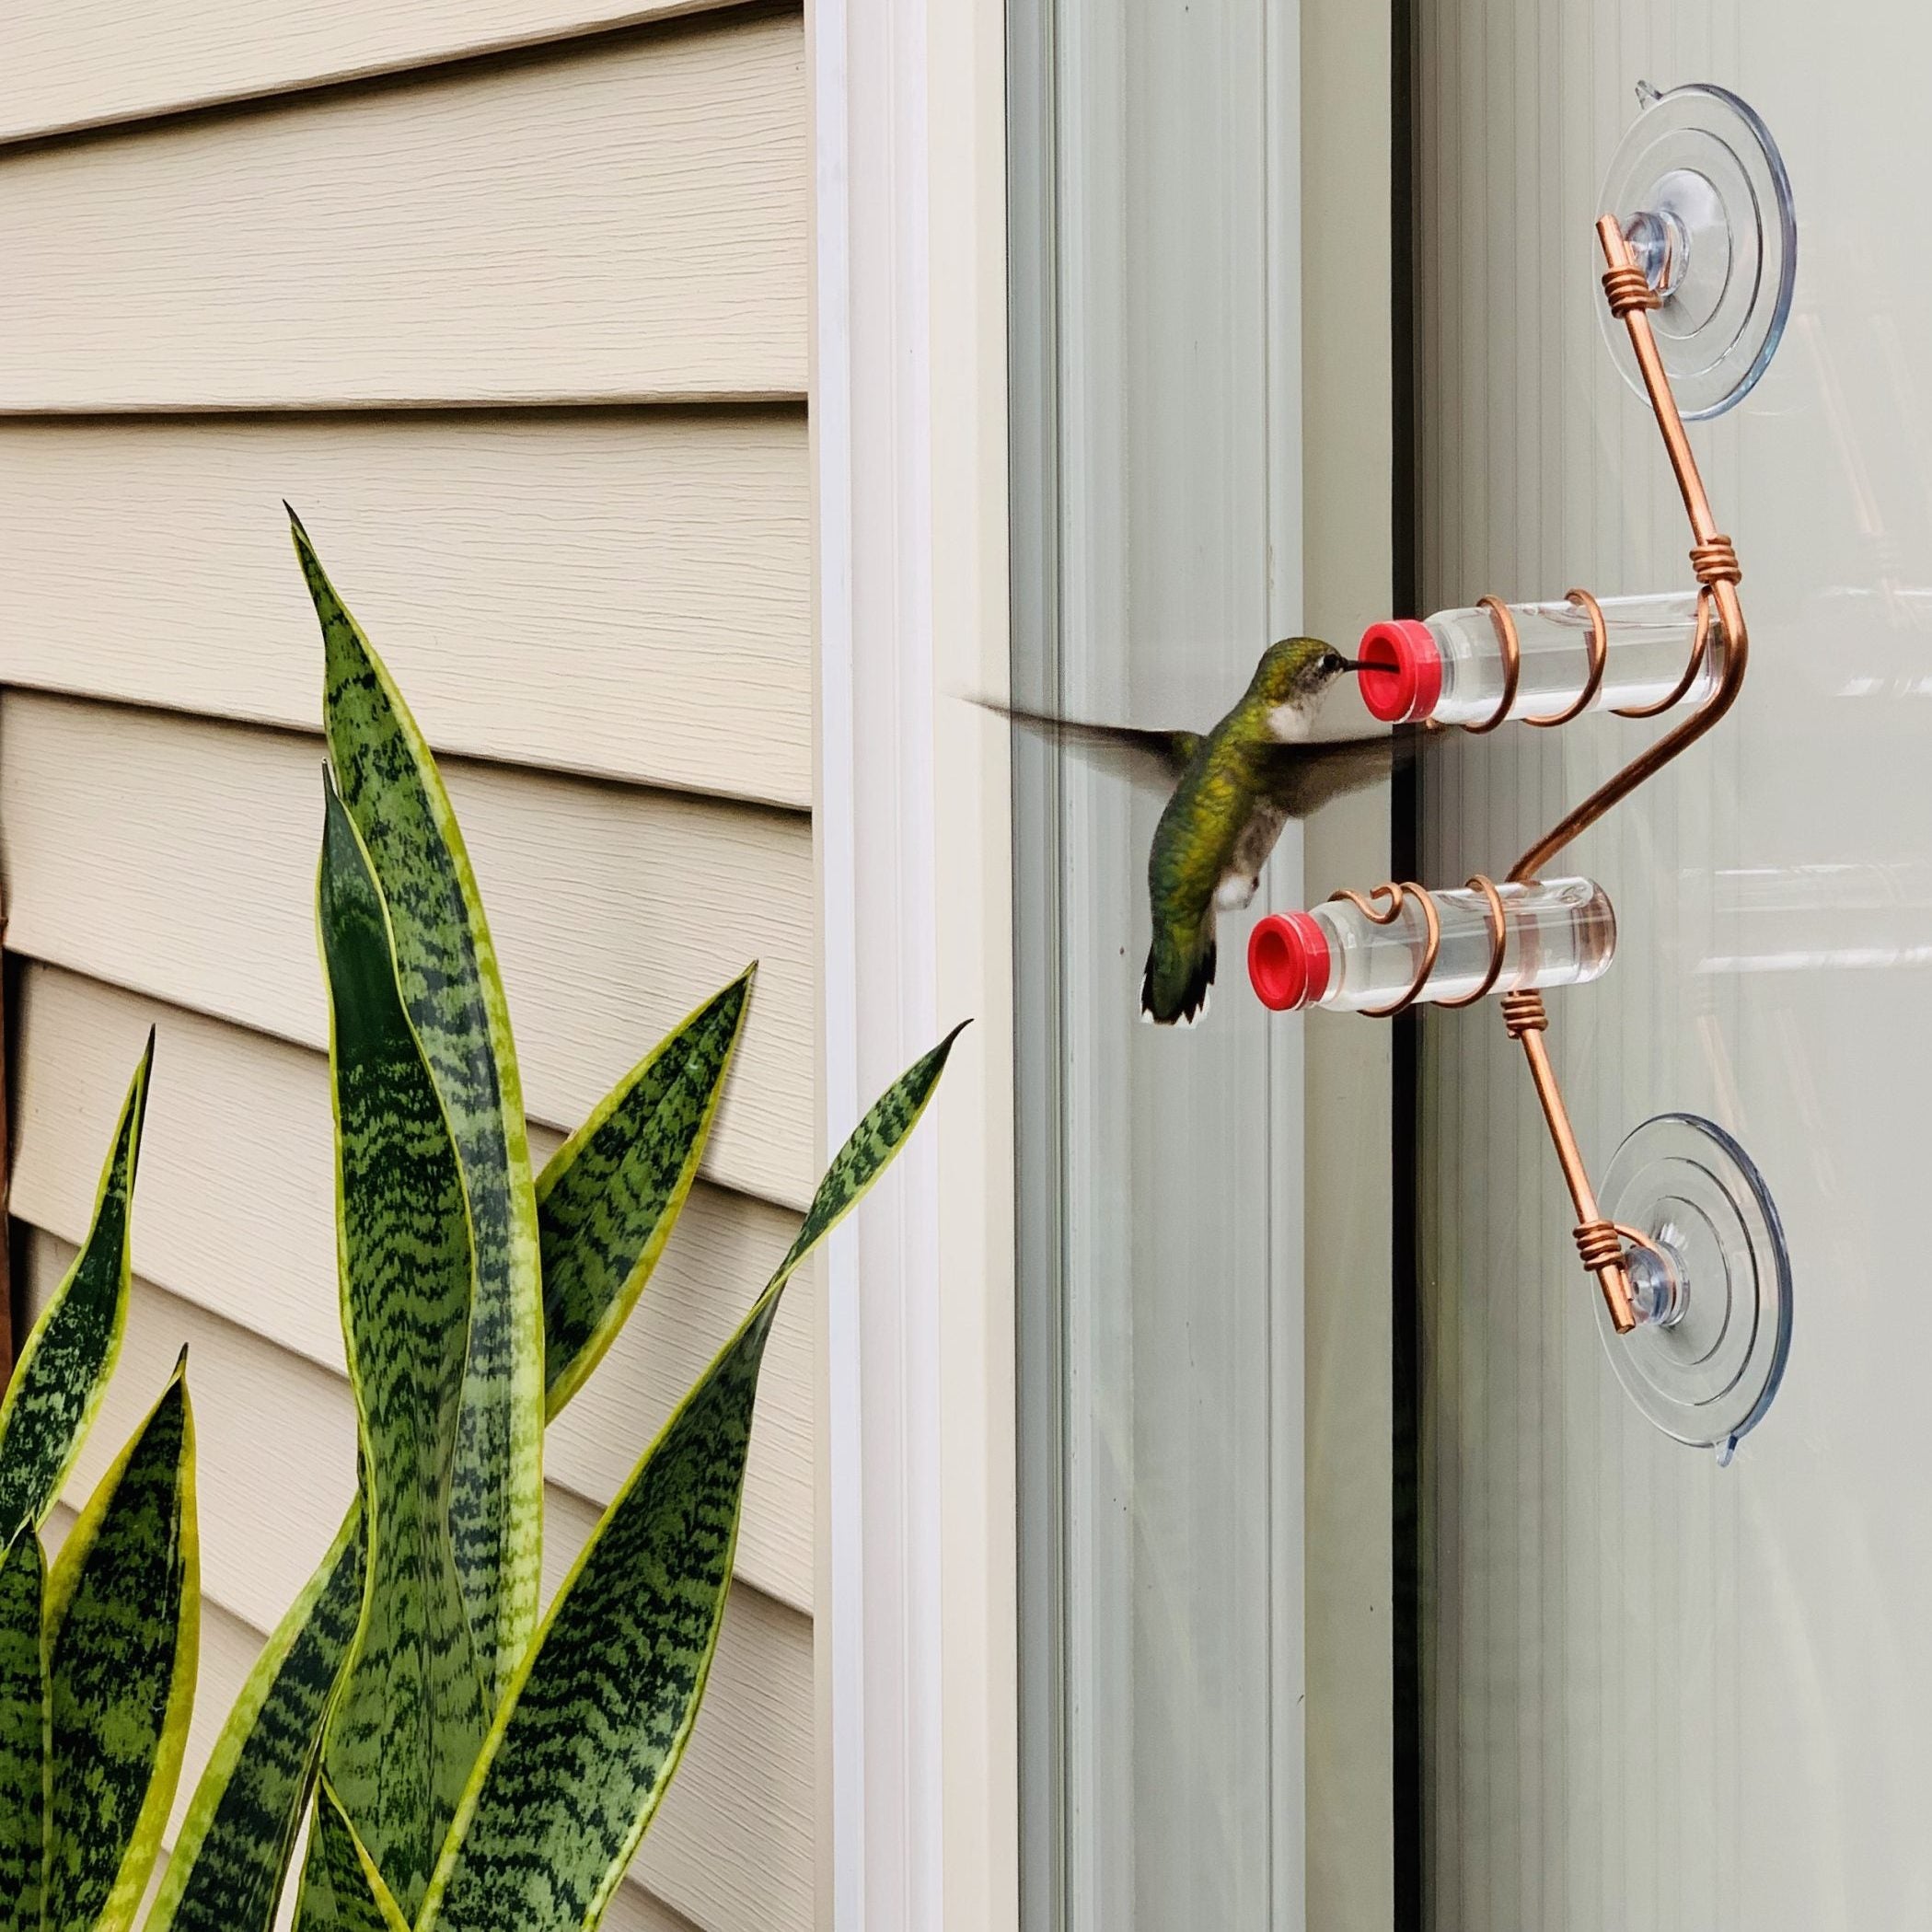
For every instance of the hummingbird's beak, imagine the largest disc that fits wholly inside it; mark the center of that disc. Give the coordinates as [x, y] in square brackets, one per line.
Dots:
[1356, 663]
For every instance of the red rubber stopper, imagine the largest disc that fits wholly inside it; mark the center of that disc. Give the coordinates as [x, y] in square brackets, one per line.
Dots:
[1406, 677]
[1289, 960]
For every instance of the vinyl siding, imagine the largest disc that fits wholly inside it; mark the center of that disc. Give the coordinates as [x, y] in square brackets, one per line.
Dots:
[77, 64]
[524, 338]
[593, 591]
[620, 222]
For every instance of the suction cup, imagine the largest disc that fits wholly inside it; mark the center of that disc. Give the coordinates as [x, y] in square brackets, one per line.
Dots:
[1713, 1291]
[1703, 198]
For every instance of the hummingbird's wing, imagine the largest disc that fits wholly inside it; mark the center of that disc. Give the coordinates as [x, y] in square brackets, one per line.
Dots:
[1148, 757]
[1301, 777]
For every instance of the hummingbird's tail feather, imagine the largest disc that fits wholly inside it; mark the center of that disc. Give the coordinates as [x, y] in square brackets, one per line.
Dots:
[1180, 970]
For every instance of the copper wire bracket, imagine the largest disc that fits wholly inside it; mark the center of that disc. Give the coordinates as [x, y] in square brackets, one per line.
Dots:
[1602, 1244]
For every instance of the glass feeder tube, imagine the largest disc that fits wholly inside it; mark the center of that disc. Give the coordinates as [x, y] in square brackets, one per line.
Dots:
[1450, 668]
[1555, 932]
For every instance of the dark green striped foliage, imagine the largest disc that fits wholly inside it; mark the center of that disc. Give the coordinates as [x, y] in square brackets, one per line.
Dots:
[232, 1855]
[411, 1714]
[591, 1734]
[644, 1142]
[607, 1698]
[23, 1732]
[340, 1885]
[64, 1369]
[609, 1197]
[122, 1625]
[454, 992]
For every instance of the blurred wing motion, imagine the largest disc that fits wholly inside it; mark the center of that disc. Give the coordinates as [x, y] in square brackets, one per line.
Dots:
[1155, 759]
[1301, 778]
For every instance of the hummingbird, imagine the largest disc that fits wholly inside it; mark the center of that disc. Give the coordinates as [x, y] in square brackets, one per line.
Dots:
[1230, 792]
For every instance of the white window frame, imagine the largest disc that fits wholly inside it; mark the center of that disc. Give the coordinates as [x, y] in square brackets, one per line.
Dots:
[915, 1603]
[916, 1644]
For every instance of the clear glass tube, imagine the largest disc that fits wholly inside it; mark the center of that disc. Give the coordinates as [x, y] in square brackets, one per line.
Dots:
[1555, 932]
[1449, 666]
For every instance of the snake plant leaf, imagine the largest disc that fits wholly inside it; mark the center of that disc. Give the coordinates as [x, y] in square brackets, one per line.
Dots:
[454, 994]
[123, 1621]
[584, 1745]
[233, 1852]
[610, 1195]
[64, 1369]
[341, 1886]
[411, 1713]
[23, 1732]
[608, 1200]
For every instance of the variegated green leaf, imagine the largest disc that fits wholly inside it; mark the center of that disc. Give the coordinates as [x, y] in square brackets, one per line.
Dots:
[610, 1195]
[124, 1619]
[591, 1733]
[64, 1369]
[340, 1885]
[411, 1713]
[23, 1732]
[455, 995]
[601, 1240]
[232, 1855]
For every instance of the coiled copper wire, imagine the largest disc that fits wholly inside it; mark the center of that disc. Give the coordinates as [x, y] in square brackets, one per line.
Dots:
[1598, 648]
[1626, 288]
[1393, 899]
[1498, 940]
[1510, 648]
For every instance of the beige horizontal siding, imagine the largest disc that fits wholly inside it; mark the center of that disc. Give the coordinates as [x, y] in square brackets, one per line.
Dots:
[275, 1467]
[623, 592]
[74, 63]
[624, 227]
[234, 1213]
[523, 339]
[177, 857]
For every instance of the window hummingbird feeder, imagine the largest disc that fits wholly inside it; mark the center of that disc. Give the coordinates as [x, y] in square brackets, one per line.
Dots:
[1691, 1269]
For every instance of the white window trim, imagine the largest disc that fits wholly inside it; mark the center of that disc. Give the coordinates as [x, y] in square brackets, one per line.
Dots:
[917, 1653]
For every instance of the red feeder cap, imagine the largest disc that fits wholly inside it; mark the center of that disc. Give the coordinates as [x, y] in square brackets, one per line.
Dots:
[1406, 677]
[1289, 960]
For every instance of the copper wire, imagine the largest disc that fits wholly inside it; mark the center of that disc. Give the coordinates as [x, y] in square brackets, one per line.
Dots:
[1700, 642]
[1624, 286]
[1523, 1012]
[1599, 1244]
[1510, 647]
[1498, 941]
[1597, 647]
[1383, 907]
[1394, 897]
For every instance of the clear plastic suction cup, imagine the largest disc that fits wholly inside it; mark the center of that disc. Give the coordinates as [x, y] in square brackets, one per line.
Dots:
[1701, 192]
[1713, 1290]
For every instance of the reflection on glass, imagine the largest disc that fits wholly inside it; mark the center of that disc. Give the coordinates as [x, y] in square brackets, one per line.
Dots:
[1793, 918]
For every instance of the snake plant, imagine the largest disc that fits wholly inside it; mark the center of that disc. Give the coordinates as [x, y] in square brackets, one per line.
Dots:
[466, 1760]
[97, 1655]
